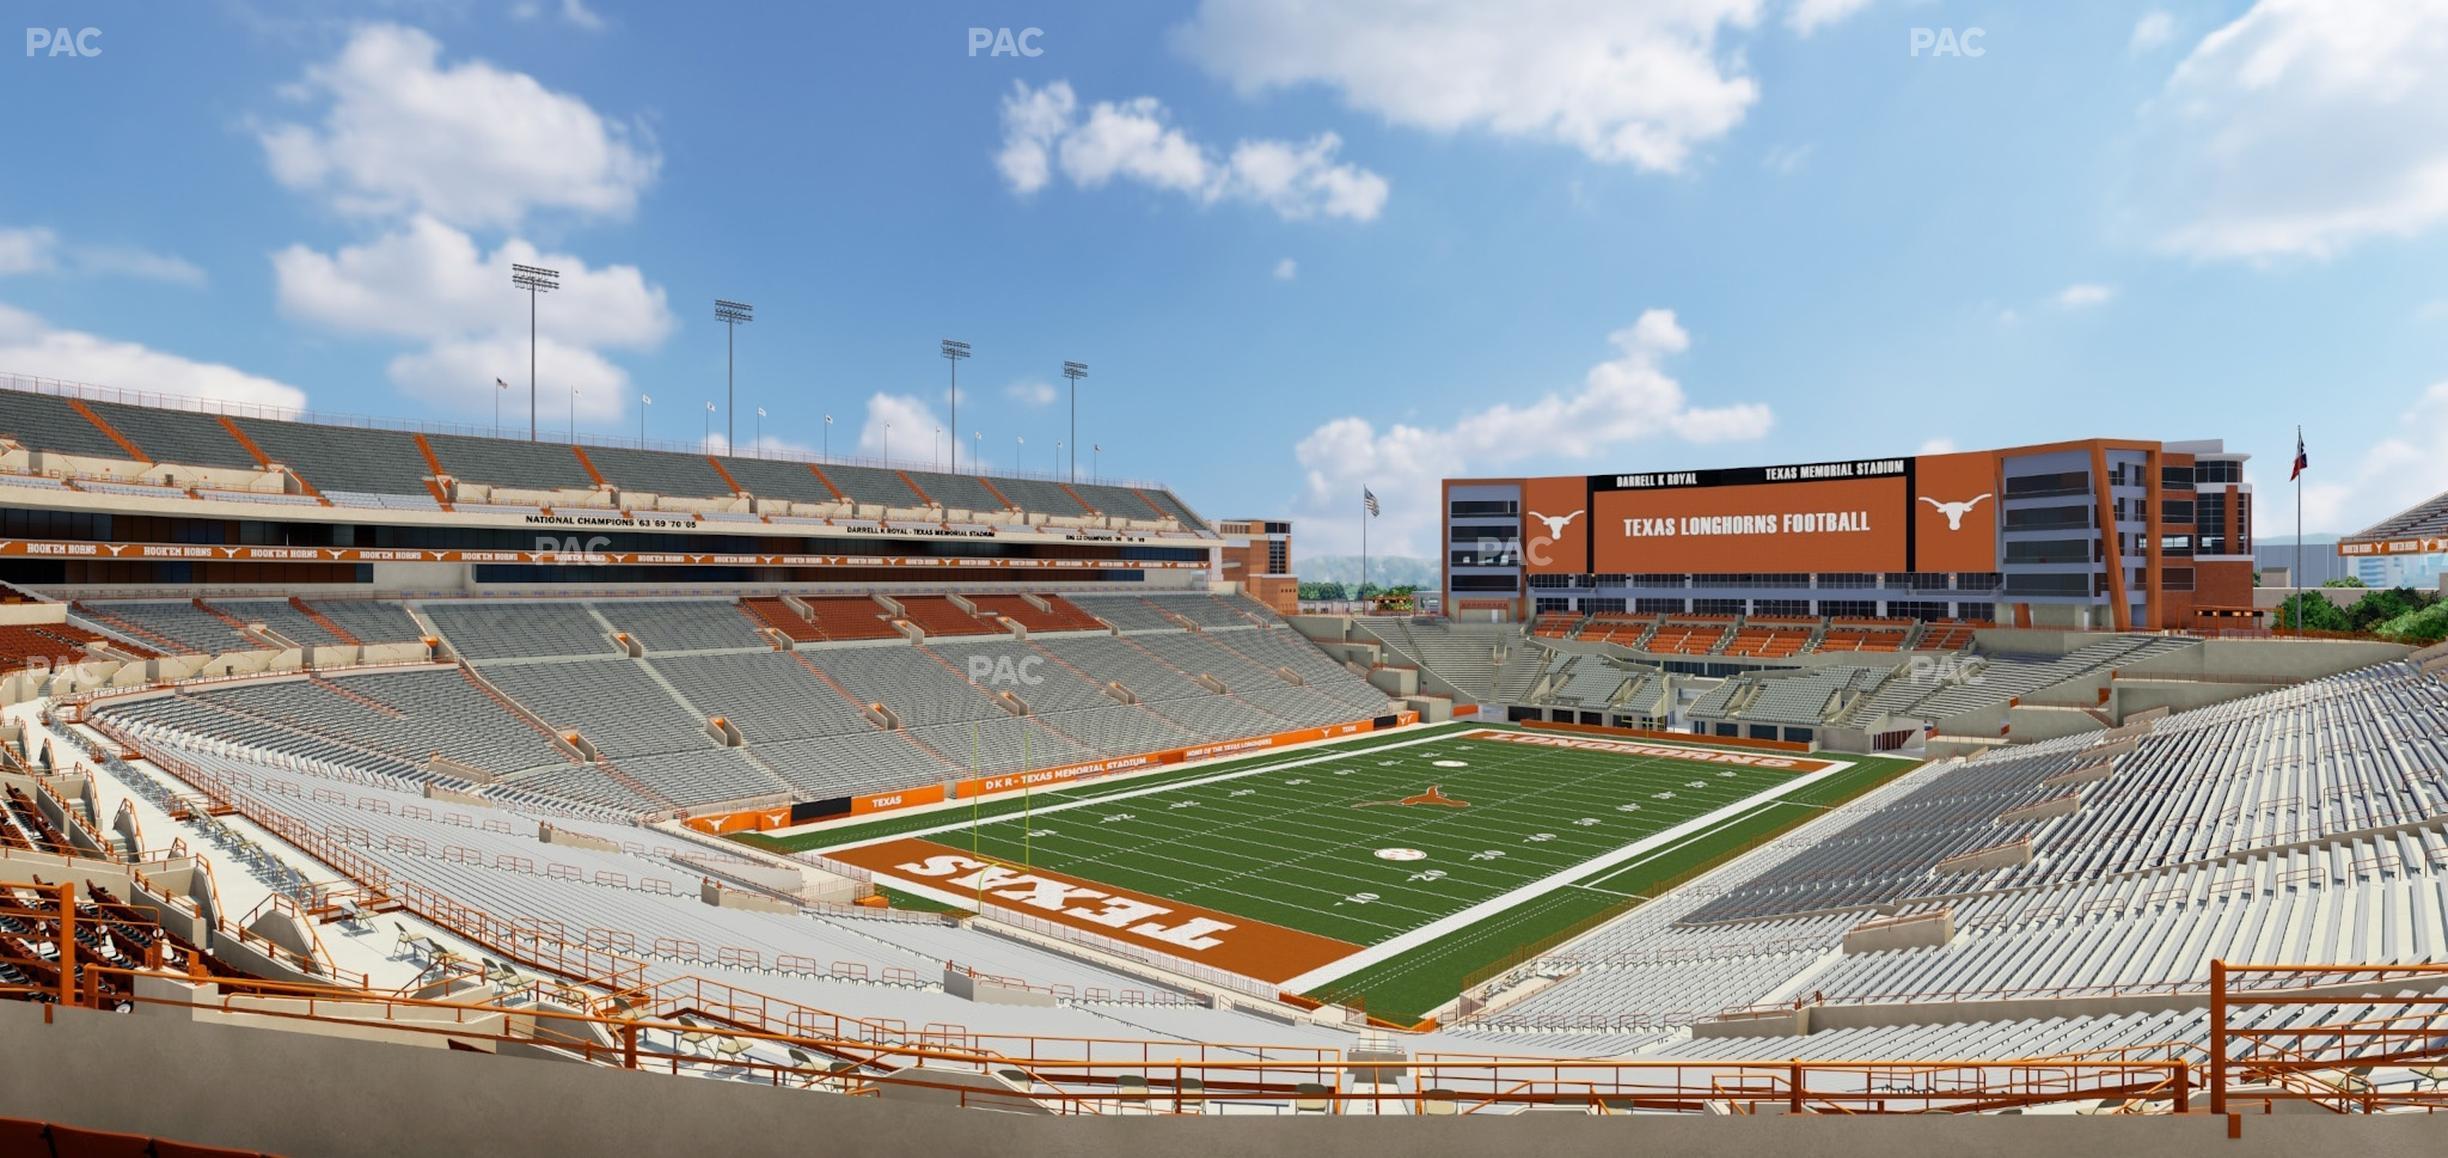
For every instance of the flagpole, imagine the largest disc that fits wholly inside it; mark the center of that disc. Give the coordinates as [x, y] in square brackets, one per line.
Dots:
[1364, 521]
[2298, 473]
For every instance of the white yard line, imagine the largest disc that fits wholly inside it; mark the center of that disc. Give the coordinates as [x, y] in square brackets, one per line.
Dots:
[1385, 950]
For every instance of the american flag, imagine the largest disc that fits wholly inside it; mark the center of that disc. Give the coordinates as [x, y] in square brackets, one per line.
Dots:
[1368, 498]
[2302, 460]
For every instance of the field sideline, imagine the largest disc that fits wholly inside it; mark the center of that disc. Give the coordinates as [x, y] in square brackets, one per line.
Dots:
[1390, 866]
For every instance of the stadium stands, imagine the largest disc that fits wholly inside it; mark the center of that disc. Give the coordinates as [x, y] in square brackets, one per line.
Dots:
[1556, 624]
[341, 460]
[178, 627]
[502, 462]
[43, 422]
[938, 615]
[1059, 614]
[682, 624]
[369, 620]
[175, 436]
[482, 630]
[657, 472]
[848, 617]
[1770, 639]
[50, 643]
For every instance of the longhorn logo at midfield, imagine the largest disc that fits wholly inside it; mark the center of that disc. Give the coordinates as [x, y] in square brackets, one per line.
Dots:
[1556, 523]
[1955, 511]
[1434, 796]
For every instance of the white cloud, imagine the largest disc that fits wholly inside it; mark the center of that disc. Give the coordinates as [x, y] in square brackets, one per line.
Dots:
[431, 284]
[2299, 130]
[39, 250]
[1787, 160]
[1809, 16]
[457, 374]
[578, 15]
[1939, 445]
[468, 143]
[25, 251]
[28, 345]
[2084, 295]
[2156, 28]
[1287, 269]
[1031, 392]
[1625, 399]
[902, 428]
[1635, 83]
[1044, 132]
[2346, 490]
[428, 280]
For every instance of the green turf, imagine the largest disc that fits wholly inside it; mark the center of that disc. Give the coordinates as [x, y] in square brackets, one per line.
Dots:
[1406, 987]
[1013, 804]
[1277, 838]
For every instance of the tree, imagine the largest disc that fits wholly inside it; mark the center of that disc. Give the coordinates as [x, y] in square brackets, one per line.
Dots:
[2348, 581]
[1323, 591]
[2312, 612]
[2429, 625]
[2382, 606]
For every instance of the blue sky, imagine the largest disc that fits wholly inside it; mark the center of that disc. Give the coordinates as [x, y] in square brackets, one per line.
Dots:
[1301, 247]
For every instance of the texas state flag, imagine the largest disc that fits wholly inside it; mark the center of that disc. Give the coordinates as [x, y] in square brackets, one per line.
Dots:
[2301, 460]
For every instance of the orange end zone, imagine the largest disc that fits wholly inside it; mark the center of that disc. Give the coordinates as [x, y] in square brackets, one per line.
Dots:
[1221, 940]
[1778, 763]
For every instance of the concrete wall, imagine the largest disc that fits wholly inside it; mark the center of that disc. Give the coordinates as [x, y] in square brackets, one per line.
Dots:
[298, 1094]
[2265, 660]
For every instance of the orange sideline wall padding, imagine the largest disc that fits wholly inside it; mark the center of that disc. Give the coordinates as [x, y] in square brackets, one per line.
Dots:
[762, 819]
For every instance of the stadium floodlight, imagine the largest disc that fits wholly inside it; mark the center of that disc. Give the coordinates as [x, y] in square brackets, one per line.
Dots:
[535, 280]
[953, 351]
[732, 315]
[1074, 371]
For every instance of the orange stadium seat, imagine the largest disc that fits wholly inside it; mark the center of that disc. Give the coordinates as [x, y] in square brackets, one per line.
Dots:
[938, 615]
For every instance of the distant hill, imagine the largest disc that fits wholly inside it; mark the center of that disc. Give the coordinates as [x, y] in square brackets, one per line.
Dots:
[1383, 570]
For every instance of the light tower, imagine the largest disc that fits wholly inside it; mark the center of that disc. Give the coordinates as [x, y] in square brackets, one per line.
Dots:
[953, 351]
[1075, 371]
[732, 315]
[535, 280]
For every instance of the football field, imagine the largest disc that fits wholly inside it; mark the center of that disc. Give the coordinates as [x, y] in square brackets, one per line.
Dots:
[1385, 868]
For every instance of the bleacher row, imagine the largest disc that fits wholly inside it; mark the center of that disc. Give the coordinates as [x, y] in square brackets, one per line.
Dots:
[374, 468]
[1765, 637]
[829, 719]
[2303, 825]
[636, 892]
